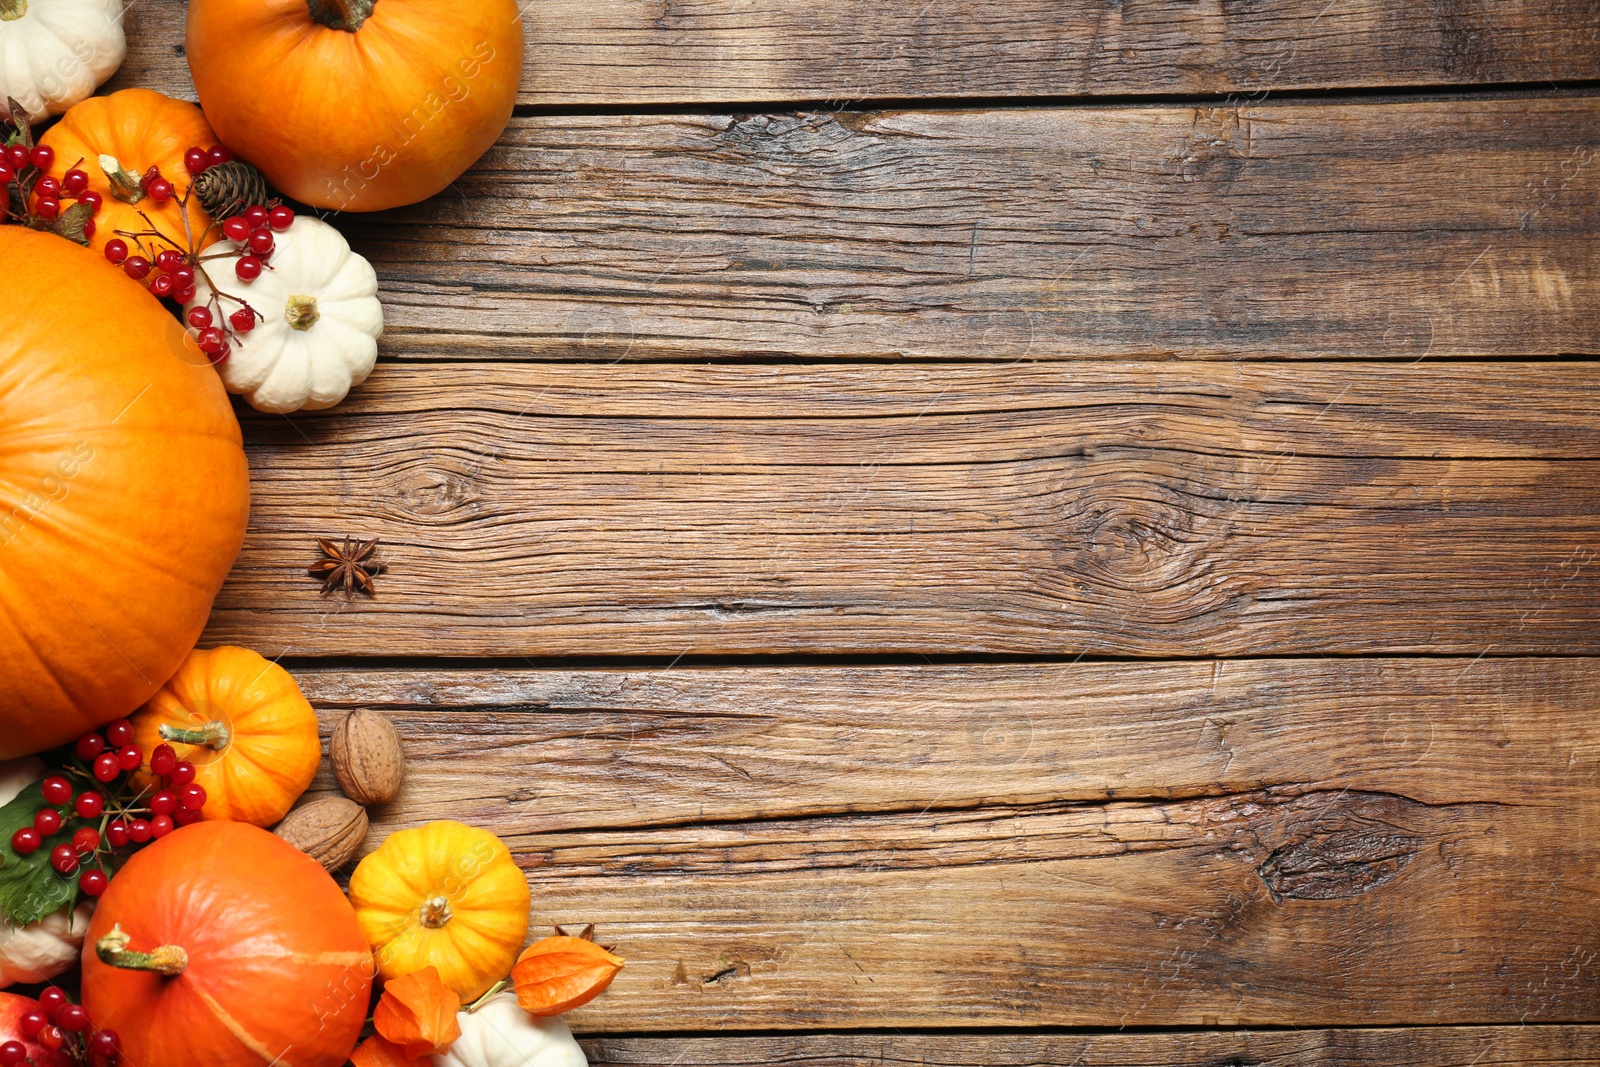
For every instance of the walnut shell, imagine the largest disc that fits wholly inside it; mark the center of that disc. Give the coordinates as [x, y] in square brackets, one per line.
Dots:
[367, 758]
[329, 830]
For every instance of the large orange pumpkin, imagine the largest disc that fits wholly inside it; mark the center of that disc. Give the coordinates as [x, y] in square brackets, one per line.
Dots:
[222, 945]
[123, 492]
[357, 105]
[125, 134]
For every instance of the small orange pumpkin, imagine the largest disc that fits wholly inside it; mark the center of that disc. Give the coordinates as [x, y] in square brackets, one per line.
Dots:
[244, 724]
[355, 104]
[222, 945]
[115, 140]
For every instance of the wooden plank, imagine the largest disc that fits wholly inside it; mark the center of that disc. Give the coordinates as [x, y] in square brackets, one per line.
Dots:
[1439, 1046]
[1128, 509]
[630, 52]
[1393, 231]
[1296, 842]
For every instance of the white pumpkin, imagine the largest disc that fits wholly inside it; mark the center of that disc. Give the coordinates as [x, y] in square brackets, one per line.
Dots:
[54, 53]
[39, 951]
[501, 1034]
[320, 319]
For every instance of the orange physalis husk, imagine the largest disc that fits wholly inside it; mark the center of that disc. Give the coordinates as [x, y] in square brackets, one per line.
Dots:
[376, 1052]
[561, 973]
[418, 1013]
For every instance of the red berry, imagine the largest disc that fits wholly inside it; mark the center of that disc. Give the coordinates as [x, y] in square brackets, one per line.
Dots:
[210, 339]
[52, 1000]
[26, 841]
[161, 826]
[106, 766]
[161, 762]
[193, 796]
[169, 259]
[183, 275]
[117, 833]
[106, 1043]
[164, 758]
[164, 802]
[42, 156]
[139, 830]
[64, 858]
[18, 154]
[183, 773]
[184, 293]
[116, 252]
[119, 732]
[161, 285]
[7, 175]
[75, 181]
[90, 805]
[47, 208]
[13, 1053]
[48, 186]
[217, 154]
[51, 1038]
[74, 1018]
[256, 216]
[130, 756]
[248, 268]
[160, 190]
[93, 883]
[236, 229]
[88, 228]
[137, 268]
[261, 242]
[194, 160]
[56, 789]
[243, 320]
[32, 1021]
[183, 816]
[47, 821]
[91, 198]
[85, 839]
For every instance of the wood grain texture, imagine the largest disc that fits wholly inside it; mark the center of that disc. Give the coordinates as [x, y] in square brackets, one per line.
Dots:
[626, 52]
[1130, 509]
[1446, 1046]
[1297, 842]
[1393, 231]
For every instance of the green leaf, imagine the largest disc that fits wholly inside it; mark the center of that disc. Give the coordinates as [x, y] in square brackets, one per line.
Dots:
[30, 888]
[70, 223]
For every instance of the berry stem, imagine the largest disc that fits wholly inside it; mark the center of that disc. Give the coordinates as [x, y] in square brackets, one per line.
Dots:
[341, 14]
[170, 960]
[211, 735]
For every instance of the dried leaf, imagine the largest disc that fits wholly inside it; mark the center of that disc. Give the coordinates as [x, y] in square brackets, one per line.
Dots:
[562, 973]
[418, 1013]
[376, 1052]
[70, 223]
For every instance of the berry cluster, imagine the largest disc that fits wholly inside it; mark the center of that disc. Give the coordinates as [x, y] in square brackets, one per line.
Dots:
[28, 191]
[60, 1025]
[96, 790]
[171, 272]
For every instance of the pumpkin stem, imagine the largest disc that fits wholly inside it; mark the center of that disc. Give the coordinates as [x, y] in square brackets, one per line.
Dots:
[112, 949]
[481, 1001]
[126, 187]
[11, 10]
[301, 312]
[341, 14]
[211, 735]
[435, 912]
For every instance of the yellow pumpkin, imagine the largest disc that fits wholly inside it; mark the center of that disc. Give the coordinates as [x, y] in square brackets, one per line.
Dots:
[444, 895]
[244, 724]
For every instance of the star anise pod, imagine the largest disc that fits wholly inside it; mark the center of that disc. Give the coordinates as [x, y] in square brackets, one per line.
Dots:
[348, 564]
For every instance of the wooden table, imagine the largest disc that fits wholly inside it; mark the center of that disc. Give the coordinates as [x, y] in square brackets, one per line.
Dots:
[980, 533]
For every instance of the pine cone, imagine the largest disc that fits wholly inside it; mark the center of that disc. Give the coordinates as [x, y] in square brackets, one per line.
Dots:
[225, 189]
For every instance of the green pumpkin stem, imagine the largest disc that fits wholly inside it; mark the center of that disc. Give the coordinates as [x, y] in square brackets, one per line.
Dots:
[11, 10]
[488, 996]
[211, 735]
[113, 950]
[341, 14]
[301, 312]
